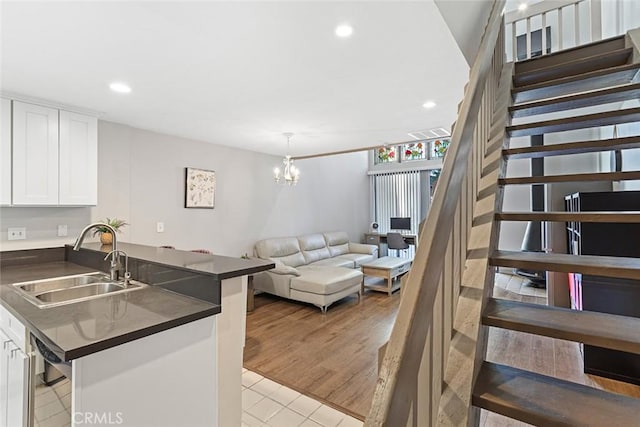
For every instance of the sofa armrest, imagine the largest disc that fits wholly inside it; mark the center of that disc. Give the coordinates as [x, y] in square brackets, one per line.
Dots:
[363, 248]
[282, 268]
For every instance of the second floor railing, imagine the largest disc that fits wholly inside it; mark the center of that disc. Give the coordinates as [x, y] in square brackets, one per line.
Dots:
[554, 25]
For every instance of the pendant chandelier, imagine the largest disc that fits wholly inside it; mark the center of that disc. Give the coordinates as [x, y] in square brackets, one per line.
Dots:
[290, 174]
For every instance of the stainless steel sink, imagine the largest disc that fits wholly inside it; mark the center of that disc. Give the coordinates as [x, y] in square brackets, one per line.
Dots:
[69, 289]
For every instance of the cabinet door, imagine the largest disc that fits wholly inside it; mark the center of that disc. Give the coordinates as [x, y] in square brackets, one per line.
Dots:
[5, 151]
[17, 388]
[5, 349]
[35, 155]
[78, 159]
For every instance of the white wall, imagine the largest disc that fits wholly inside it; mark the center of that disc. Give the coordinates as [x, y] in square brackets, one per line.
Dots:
[141, 180]
[466, 20]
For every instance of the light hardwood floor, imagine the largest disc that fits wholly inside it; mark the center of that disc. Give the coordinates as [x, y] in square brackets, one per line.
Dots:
[333, 358]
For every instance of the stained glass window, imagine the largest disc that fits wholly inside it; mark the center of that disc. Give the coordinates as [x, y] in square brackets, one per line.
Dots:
[386, 155]
[415, 151]
[439, 147]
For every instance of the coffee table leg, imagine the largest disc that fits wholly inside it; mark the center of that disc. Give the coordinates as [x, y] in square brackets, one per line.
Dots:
[389, 283]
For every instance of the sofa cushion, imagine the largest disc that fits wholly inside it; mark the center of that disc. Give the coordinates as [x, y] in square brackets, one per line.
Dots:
[284, 249]
[338, 242]
[313, 247]
[356, 259]
[325, 280]
[334, 262]
[282, 268]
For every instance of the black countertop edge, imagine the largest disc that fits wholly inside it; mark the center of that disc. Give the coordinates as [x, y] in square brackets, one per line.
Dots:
[248, 271]
[267, 264]
[68, 356]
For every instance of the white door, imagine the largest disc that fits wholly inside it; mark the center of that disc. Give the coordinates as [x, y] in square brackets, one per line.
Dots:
[35, 155]
[78, 175]
[5, 151]
[4, 377]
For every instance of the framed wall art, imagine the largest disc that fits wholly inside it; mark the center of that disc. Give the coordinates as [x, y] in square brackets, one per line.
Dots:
[200, 188]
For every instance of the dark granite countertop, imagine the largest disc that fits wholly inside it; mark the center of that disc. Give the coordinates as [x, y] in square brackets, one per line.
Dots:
[220, 267]
[82, 328]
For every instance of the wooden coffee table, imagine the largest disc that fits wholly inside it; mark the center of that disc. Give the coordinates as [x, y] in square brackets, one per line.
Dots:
[388, 267]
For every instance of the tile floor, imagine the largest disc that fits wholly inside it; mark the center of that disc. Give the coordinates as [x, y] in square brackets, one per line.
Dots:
[518, 285]
[266, 403]
[53, 405]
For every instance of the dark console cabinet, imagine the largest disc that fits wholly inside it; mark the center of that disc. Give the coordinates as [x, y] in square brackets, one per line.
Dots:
[605, 294]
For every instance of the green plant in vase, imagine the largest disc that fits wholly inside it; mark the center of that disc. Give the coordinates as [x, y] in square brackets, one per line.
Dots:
[105, 234]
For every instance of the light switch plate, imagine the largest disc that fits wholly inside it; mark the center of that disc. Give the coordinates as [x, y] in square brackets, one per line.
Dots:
[160, 227]
[63, 230]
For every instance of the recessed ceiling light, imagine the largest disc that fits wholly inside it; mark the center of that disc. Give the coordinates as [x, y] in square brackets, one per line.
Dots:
[344, 30]
[119, 87]
[429, 104]
[523, 6]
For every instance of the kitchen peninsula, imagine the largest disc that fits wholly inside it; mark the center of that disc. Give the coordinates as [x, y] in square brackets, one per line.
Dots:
[166, 354]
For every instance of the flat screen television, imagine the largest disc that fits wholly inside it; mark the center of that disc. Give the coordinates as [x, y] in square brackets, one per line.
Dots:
[401, 223]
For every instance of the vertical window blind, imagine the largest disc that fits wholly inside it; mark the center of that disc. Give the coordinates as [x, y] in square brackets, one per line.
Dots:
[400, 194]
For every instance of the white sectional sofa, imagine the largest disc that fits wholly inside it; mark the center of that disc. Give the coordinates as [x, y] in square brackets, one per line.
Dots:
[315, 268]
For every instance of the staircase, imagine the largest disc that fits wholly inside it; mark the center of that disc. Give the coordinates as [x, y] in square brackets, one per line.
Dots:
[591, 75]
[433, 371]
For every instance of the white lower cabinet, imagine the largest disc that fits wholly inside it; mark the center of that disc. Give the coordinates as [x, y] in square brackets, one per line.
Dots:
[14, 383]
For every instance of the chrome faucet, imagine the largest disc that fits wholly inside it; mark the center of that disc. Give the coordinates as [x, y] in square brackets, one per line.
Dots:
[127, 274]
[113, 270]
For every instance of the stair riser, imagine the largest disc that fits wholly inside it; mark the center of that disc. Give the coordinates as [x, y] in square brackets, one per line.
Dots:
[605, 176]
[604, 97]
[568, 55]
[572, 123]
[568, 268]
[573, 148]
[584, 82]
[612, 59]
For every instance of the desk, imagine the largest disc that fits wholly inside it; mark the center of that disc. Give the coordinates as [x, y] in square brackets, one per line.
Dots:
[380, 239]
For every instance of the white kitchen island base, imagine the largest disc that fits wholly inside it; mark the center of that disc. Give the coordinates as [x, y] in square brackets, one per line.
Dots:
[190, 375]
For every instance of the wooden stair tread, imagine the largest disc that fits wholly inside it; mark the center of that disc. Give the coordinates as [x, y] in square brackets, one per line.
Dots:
[569, 102]
[620, 267]
[572, 148]
[603, 216]
[593, 80]
[570, 54]
[588, 327]
[575, 177]
[606, 118]
[546, 401]
[578, 66]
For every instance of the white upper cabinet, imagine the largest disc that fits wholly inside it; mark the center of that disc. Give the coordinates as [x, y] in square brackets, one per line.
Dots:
[5, 151]
[78, 159]
[55, 157]
[35, 154]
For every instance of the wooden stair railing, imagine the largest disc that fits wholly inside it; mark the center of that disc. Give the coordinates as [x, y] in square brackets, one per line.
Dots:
[414, 366]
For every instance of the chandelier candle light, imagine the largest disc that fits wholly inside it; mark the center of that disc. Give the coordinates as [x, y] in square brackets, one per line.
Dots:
[291, 173]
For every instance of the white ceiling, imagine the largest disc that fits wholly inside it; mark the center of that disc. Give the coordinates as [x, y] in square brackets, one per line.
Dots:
[241, 73]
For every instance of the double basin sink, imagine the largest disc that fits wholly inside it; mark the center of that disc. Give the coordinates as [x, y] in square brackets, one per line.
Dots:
[69, 289]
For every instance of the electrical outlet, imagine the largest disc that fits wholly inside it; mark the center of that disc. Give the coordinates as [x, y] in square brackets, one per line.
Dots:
[63, 230]
[160, 227]
[17, 233]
